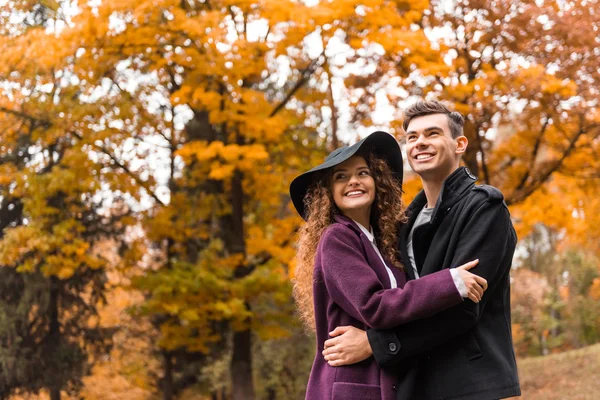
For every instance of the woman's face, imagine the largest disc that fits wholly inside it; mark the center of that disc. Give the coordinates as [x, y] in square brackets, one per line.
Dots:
[353, 188]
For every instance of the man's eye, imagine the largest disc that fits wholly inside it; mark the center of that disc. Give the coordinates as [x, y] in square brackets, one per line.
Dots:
[411, 138]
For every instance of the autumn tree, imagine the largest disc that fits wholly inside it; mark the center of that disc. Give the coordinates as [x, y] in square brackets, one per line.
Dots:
[58, 201]
[525, 76]
[552, 305]
[219, 232]
[130, 369]
[524, 79]
[174, 127]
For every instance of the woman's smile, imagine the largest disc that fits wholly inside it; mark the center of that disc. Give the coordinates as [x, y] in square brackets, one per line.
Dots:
[353, 189]
[355, 193]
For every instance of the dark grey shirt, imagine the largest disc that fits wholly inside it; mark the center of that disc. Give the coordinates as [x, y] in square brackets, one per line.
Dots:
[423, 218]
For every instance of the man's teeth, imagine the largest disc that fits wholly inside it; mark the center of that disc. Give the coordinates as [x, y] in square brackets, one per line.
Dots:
[424, 156]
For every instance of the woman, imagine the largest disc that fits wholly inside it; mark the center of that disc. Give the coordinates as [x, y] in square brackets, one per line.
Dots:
[348, 266]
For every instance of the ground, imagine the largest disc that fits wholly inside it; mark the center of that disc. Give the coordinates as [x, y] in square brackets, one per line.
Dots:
[573, 375]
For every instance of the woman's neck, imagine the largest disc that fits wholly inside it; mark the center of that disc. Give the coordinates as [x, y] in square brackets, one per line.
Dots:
[360, 216]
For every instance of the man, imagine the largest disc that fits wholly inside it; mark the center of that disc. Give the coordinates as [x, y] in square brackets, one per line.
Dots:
[465, 352]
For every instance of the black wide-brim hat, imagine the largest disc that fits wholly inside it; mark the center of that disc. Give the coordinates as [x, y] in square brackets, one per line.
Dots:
[380, 143]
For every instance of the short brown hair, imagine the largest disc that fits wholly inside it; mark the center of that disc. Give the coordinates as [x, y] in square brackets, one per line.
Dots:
[422, 108]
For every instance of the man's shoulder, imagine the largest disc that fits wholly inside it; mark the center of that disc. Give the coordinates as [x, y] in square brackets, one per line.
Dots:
[485, 193]
[480, 196]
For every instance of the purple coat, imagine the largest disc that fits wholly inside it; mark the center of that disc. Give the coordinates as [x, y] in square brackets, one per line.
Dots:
[352, 287]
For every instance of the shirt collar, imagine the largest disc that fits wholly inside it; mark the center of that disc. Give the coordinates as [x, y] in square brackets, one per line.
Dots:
[452, 191]
[368, 233]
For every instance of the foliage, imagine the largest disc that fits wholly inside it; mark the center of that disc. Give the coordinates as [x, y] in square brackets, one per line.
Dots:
[174, 128]
[552, 303]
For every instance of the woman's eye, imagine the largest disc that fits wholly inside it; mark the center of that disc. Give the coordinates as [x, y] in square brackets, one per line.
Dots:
[363, 173]
[339, 176]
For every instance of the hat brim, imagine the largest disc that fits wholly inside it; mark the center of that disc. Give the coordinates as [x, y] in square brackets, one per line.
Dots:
[379, 143]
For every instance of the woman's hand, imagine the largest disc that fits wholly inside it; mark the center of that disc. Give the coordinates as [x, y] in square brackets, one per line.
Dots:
[348, 345]
[475, 284]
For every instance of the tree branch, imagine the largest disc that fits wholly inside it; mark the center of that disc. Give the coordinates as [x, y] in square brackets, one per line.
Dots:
[534, 153]
[305, 75]
[520, 195]
[124, 168]
[19, 114]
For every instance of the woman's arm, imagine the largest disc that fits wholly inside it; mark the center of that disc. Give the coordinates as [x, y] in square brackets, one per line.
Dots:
[353, 285]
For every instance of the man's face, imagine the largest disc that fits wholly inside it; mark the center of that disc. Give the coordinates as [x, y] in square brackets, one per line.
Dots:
[432, 152]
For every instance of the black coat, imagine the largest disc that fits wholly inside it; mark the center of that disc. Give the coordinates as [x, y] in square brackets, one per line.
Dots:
[465, 352]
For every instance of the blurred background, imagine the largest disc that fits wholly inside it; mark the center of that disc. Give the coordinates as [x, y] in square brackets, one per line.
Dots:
[147, 239]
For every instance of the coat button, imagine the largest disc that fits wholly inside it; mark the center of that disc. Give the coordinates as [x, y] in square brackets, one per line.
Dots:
[392, 346]
[394, 387]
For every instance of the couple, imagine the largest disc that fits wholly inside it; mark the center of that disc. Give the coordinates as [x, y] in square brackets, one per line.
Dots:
[397, 313]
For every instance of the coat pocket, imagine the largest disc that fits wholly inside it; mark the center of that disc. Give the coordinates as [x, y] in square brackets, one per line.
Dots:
[355, 391]
[472, 349]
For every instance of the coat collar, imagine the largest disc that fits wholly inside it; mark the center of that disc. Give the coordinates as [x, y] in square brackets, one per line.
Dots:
[378, 266]
[368, 234]
[452, 190]
[346, 221]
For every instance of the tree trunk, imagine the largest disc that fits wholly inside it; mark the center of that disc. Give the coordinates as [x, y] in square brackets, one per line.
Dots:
[241, 359]
[241, 366]
[470, 156]
[54, 330]
[335, 143]
[167, 383]
[543, 345]
[219, 394]
[54, 394]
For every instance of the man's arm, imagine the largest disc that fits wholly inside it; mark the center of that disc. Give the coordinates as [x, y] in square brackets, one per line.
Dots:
[489, 236]
[392, 346]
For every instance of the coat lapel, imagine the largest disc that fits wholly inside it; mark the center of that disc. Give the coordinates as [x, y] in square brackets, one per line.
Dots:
[452, 191]
[413, 212]
[370, 254]
[375, 262]
[403, 246]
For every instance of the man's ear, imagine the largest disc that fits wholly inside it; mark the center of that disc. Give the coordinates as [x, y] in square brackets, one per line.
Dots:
[461, 144]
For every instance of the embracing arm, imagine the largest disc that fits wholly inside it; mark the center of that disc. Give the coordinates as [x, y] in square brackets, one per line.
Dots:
[494, 251]
[353, 285]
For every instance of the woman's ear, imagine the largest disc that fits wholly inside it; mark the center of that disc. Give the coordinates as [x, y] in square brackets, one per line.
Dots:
[461, 144]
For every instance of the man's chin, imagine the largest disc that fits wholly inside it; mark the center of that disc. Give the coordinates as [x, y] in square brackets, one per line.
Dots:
[423, 170]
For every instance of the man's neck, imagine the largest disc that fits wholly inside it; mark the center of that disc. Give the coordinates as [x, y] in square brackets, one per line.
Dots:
[433, 186]
[432, 191]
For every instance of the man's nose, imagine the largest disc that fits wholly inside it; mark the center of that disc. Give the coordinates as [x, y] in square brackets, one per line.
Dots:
[421, 141]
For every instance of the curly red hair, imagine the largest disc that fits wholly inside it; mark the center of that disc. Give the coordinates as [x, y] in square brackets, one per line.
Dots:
[387, 214]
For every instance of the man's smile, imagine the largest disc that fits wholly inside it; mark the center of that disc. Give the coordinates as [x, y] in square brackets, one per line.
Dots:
[423, 156]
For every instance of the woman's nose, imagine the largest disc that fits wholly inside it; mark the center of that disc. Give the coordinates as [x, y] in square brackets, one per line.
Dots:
[353, 180]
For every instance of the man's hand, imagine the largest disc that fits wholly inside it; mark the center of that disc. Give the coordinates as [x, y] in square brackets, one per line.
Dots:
[348, 345]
